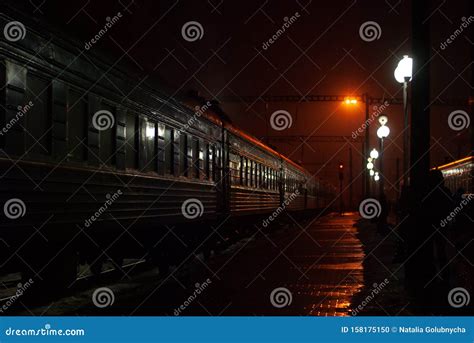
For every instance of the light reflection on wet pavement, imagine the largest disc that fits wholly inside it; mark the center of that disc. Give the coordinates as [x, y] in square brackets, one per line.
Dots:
[320, 265]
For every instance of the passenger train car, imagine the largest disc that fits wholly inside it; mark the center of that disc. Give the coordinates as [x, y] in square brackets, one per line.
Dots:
[97, 165]
[458, 175]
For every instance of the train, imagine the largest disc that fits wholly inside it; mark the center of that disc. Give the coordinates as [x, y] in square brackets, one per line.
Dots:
[98, 165]
[458, 175]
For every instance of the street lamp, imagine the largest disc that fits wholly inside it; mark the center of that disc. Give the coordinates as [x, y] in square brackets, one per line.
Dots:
[376, 176]
[403, 74]
[382, 132]
[374, 154]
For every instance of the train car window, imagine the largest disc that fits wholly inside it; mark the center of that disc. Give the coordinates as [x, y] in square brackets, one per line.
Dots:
[234, 169]
[251, 173]
[275, 182]
[131, 146]
[257, 169]
[77, 125]
[107, 139]
[217, 163]
[176, 151]
[183, 154]
[241, 170]
[169, 153]
[255, 174]
[207, 169]
[195, 158]
[161, 149]
[38, 123]
[201, 174]
[246, 173]
[212, 163]
[150, 162]
[270, 178]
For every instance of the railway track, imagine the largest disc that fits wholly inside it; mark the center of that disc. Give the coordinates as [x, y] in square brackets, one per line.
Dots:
[85, 280]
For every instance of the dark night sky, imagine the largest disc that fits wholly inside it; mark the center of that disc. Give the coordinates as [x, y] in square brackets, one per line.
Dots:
[320, 53]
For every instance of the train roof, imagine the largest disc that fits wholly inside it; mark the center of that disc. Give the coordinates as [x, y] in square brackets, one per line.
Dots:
[216, 115]
[456, 163]
[154, 85]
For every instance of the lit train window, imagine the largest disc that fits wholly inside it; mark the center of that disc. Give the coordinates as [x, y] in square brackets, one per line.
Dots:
[259, 175]
[200, 162]
[211, 162]
[161, 149]
[241, 170]
[207, 159]
[251, 173]
[234, 169]
[131, 146]
[150, 134]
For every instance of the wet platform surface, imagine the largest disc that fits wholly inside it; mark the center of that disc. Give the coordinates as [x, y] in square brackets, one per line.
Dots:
[312, 269]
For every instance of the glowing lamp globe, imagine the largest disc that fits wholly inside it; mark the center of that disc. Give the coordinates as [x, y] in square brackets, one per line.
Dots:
[383, 131]
[374, 154]
[404, 69]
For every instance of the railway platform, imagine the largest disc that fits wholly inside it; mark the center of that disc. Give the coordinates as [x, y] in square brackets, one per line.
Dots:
[336, 265]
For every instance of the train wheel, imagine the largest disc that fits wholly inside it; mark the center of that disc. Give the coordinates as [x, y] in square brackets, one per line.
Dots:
[53, 271]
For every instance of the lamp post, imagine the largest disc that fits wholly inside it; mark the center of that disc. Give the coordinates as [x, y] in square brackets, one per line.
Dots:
[403, 74]
[382, 132]
[353, 101]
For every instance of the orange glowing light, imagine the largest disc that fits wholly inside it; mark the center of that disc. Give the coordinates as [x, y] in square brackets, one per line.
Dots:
[350, 101]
